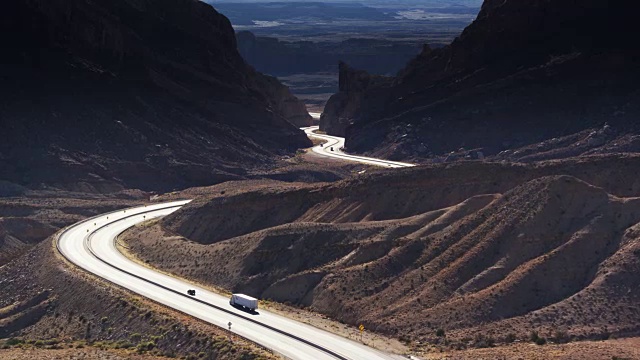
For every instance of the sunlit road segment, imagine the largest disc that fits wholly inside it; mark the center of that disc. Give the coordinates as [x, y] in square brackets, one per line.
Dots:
[333, 148]
[91, 245]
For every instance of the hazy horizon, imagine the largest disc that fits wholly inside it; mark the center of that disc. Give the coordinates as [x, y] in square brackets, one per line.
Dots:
[416, 3]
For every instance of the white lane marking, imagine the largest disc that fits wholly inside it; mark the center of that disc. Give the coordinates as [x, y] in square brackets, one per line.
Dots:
[72, 244]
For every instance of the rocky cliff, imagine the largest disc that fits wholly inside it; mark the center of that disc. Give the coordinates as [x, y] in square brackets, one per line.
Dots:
[284, 102]
[522, 72]
[100, 95]
[343, 107]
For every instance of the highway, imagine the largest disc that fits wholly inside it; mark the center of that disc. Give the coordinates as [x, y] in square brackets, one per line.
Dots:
[90, 244]
[337, 143]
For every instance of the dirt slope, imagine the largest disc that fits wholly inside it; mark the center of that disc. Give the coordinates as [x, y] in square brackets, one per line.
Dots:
[554, 254]
[596, 350]
[56, 352]
[45, 301]
[222, 214]
[32, 217]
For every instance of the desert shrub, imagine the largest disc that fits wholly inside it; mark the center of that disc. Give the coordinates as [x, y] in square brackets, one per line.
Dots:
[482, 341]
[511, 337]
[51, 341]
[533, 336]
[14, 341]
[440, 332]
[561, 337]
[148, 346]
[123, 345]
[404, 339]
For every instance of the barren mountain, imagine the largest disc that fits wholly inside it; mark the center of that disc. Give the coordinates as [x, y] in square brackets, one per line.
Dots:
[134, 94]
[521, 73]
[486, 252]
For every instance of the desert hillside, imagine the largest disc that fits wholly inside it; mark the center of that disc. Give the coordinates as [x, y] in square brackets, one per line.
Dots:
[134, 94]
[34, 216]
[485, 252]
[238, 208]
[516, 235]
[51, 309]
[29, 216]
[523, 72]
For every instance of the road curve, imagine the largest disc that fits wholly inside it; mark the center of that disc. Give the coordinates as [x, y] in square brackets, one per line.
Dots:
[90, 244]
[337, 143]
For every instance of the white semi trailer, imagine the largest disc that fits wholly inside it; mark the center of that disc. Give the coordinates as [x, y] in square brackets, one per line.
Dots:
[244, 301]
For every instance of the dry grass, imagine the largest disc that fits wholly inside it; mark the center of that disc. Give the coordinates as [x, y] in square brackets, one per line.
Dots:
[586, 350]
[73, 353]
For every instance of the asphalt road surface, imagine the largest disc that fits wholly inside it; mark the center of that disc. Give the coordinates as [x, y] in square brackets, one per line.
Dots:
[91, 244]
[337, 143]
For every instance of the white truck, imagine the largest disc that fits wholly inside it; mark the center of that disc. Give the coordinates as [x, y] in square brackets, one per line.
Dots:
[244, 301]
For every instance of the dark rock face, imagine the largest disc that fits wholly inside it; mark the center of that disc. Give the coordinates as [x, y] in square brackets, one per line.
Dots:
[522, 72]
[124, 93]
[285, 102]
[342, 107]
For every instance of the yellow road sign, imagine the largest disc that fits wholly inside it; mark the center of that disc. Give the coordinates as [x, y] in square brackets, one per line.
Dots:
[361, 327]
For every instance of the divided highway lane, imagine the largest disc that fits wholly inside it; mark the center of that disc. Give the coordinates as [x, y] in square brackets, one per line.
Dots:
[90, 244]
[338, 143]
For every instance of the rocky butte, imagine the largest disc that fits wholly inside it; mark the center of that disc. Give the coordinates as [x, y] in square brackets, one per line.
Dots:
[522, 72]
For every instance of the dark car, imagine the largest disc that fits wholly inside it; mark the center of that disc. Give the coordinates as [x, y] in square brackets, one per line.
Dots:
[191, 292]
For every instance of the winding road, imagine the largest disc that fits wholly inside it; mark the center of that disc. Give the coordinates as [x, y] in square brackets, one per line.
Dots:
[91, 245]
[337, 143]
